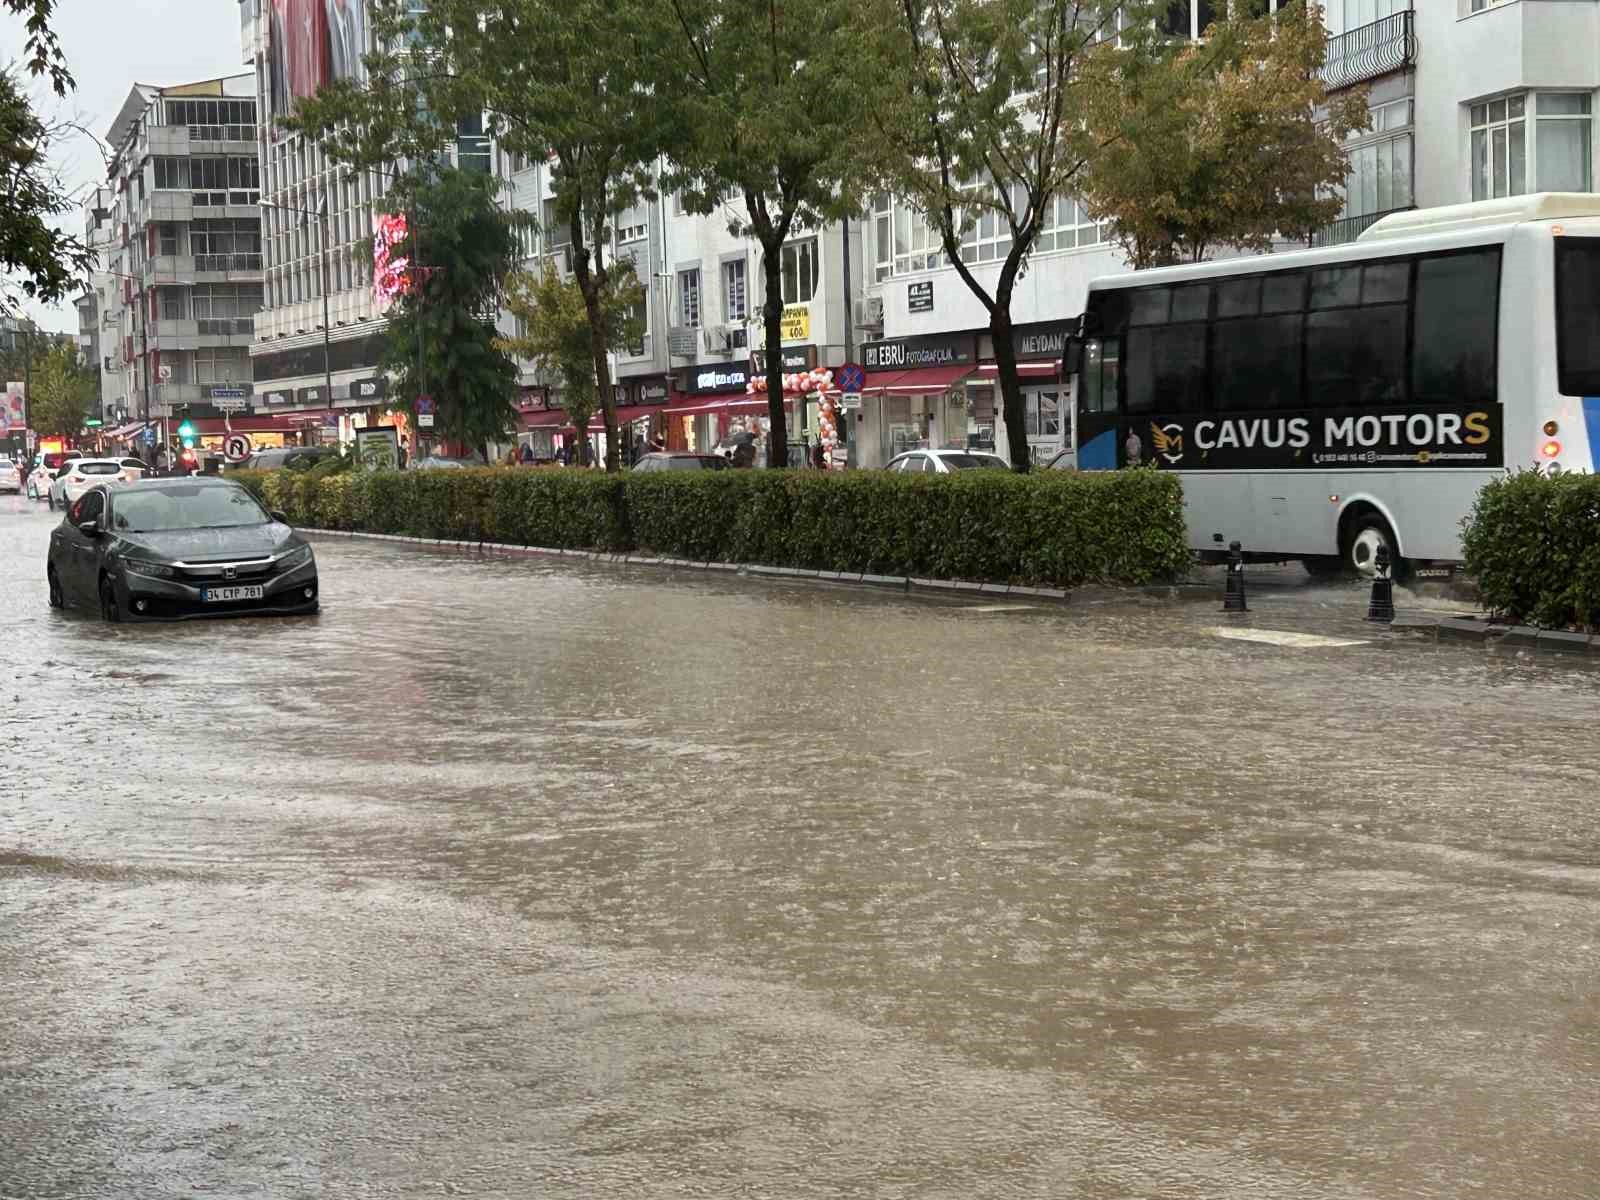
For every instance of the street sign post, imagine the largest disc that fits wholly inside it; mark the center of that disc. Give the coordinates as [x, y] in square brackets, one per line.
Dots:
[424, 412]
[236, 447]
[849, 400]
[851, 377]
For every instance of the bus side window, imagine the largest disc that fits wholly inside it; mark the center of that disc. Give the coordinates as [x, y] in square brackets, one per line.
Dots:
[1102, 372]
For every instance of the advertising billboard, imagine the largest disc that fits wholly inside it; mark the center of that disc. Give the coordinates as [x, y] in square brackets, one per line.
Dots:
[311, 43]
[14, 409]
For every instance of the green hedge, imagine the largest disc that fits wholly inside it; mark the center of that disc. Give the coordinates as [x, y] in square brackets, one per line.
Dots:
[1056, 528]
[1533, 544]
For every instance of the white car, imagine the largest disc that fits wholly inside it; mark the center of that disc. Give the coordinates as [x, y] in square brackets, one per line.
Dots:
[10, 476]
[78, 475]
[943, 462]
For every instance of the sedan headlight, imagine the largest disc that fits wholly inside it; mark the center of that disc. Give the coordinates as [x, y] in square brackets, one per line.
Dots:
[297, 557]
[138, 566]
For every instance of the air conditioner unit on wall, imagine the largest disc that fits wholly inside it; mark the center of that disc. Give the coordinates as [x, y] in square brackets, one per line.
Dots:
[869, 312]
[719, 339]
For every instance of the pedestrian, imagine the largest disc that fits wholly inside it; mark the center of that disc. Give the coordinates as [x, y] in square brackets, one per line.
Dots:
[405, 451]
[657, 444]
[1134, 448]
[819, 456]
[527, 453]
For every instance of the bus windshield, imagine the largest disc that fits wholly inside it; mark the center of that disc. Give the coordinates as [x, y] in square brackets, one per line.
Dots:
[1578, 315]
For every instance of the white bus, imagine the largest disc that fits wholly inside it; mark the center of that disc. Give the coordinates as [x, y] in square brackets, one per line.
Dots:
[1321, 403]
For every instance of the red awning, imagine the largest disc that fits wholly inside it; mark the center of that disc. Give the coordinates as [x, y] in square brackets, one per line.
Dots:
[916, 382]
[544, 418]
[989, 372]
[731, 406]
[287, 422]
[625, 414]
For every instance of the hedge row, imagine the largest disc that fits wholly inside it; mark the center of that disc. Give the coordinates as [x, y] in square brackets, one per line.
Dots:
[1054, 528]
[1533, 543]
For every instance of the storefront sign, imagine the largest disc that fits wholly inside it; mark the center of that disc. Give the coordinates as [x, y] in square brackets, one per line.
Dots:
[932, 350]
[375, 388]
[919, 296]
[533, 399]
[311, 395]
[652, 393]
[717, 377]
[795, 358]
[796, 323]
[1433, 438]
[277, 397]
[1044, 340]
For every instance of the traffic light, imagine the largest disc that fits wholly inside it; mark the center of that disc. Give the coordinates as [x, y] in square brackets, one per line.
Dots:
[186, 433]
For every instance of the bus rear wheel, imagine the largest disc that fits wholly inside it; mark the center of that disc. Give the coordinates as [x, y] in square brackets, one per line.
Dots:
[1359, 553]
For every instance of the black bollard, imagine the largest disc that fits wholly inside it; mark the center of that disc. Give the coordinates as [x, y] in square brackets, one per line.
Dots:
[1381, 607]
[1233, 594]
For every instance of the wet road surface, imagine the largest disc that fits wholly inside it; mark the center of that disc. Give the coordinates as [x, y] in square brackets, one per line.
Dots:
[509, 879]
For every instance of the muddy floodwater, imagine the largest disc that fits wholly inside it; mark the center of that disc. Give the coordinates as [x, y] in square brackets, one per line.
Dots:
[509, 879]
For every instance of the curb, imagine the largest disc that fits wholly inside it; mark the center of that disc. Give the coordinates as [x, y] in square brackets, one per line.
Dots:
[899, 583]
[1509, 639]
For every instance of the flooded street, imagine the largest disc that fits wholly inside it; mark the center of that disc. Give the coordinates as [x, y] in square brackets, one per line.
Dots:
[513, 879]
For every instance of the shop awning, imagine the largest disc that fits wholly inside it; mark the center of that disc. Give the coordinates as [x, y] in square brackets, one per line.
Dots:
[989, 372]
[544, 418]
[287, 422]
[689, 406]
[626, 414]
[921, 380]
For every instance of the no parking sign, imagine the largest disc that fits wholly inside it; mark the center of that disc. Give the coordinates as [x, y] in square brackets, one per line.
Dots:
[236, 447]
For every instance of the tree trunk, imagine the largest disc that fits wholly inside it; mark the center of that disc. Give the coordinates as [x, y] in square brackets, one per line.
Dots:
[591, 284]
[772, 320]
[1011, 402]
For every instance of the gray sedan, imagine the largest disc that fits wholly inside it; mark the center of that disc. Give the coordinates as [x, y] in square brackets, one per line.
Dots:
[175, 548]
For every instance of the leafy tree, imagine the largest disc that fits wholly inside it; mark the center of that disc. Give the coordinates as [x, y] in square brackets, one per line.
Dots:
[555, 314]
[62, 387]
[441, 339]
[44, 56]
[1233, 142]
[51, 263]
[560, 81]
[983, 120]
[772, 112]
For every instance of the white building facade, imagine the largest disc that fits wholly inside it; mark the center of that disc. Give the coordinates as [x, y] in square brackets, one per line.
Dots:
[178, 242]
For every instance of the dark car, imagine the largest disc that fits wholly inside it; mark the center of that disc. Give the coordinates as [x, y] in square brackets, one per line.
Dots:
[680, 460]
[290, 458]
[174, 548]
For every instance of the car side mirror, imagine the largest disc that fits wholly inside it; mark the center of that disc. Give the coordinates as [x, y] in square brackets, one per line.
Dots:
[90, 528]
[278, 515]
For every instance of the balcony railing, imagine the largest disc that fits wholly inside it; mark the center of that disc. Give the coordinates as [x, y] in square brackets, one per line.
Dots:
[227, 262]
[1370, 51]
[1348, 229]
[225, 326]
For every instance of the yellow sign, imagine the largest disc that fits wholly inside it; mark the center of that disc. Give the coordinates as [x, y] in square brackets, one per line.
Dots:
[797, 323]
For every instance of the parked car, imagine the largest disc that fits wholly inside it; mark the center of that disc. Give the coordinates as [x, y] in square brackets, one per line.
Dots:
[436, 462]
[10, 476]
[680, 460]
[1063, 460]
[175, 548]
[78, 475]
[291, 458]
[44, 469]
[943, 462]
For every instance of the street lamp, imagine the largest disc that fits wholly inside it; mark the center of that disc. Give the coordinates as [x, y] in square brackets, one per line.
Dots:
[321, 214]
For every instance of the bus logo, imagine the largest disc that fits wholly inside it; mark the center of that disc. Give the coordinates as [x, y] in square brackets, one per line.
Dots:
[1169, 441]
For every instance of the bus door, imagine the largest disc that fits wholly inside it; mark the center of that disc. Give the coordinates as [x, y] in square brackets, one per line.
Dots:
[1098, 412]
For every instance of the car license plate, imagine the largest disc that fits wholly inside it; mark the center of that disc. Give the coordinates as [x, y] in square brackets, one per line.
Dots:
[223, 595]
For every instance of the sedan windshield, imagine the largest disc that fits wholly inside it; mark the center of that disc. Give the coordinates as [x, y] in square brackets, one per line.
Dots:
[180, 506]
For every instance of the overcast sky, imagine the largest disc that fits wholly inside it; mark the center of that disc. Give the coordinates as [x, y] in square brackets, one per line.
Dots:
[110, 45]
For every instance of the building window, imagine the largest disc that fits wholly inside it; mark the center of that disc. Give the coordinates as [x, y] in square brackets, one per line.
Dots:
[472, 145]
[1561, 141]
[689, 298]
[882, 241]
[917, 247]
[735, 306]
[221, 364]
[799, 272]
[1067, 226]
[1380, 166]
[172, 306]
[1559, 158]
[1344, 15]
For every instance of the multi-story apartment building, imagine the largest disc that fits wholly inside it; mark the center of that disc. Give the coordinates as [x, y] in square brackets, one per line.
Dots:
[702, 341]
[181, 268]
[93, 305]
